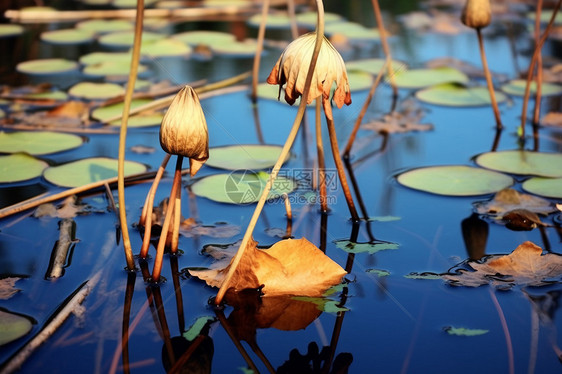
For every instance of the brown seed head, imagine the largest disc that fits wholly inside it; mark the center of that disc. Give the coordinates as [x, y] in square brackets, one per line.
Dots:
[476, 13]
[183, 130]
[292, 67]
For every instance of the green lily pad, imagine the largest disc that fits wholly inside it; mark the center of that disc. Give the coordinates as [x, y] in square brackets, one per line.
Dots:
[141, 120]
[13, 326]
[308, 19]
[517, 88]
[101, 57]
[96, 91]
[421, 78]
[104, 113]
[368, 247]
[247, 48]
[240, 187]
[126, 38]
[452, 94]
[38, 142]
[461, 331]
[165, 48]
[82, 172]
[130, 3]
[47, 66]
[48, 95]
[426, 276]
[210, 38]
[455, 180]
[10, 30]
[547, 187]
[244, 156]
[104, 26]
[352, 31]
[378, 272]
[523, 163]
[112, 68]
[373, 65]
[69, 36]
[20, 167]
[274, 21]
[546, 14]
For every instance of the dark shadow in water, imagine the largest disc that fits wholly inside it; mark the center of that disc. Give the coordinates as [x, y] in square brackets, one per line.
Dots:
[475, 235]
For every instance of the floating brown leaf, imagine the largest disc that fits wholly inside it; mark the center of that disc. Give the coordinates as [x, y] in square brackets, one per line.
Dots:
[283, 269]
[509, 199]
[522, 220]
[526, 265]
[406, 119]
[553, 119]
[69, 208]
[7, 288]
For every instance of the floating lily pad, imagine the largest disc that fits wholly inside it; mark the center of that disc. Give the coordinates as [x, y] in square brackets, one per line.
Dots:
[82, 172]
[452, 94]
[546, 15]
[274, 21]
[69, 36]
[130, 3]
[141, 120]
[46, 66]
[13, 326]
[308, 19]
[548, 187]
[96, 91]
[210, 38]
[247, 48]
[101, 57]
[373, 65]
[104, 26]
[517, 88]
[126, 38]
[20, 167]
[104, 113]
[38, 142]
[112, 68]
[244, 156]
[352, 31]
[462, 331]
[369, 247]
[10, 30]
[48, 95]
[165, 48]
[523, 163]
[455, 180]
[420, 78]
[240, 188]
[425, 275]
[378, 272]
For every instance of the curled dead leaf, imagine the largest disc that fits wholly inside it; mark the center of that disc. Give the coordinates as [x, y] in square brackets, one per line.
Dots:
[283, 269]
[509, 199]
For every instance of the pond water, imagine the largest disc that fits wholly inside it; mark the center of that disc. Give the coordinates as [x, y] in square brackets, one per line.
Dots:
[379, 323]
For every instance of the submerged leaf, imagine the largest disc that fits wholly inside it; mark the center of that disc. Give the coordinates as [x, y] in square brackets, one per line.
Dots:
[509, 199]
[521, 220]
[369, 247]
[283, 269]
[526, 266]
[462, 331]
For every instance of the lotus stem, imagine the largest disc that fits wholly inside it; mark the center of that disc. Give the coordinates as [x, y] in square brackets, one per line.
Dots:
[538, 47]
[257, 56]
[385, 47]
[538, 80]
[157, 270]
[291, 11]
[284, 152]
[148, 205]
[489, 80]
[337, 160]
[351, 140]
[123, 135]
[321, 162]
[177, 217]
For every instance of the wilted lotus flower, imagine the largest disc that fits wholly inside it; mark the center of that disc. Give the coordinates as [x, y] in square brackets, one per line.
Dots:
[476, 13]
[183, 130]
[292, 67]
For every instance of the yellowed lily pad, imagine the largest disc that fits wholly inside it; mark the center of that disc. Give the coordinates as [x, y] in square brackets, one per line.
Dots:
[540, 164]
[126, 38]
[455, 180]
[82, 172]
[517, 88]
[112, 68]
[20, 167]
[547, 187]
[38, 142]
[420, 78]
[452, 94]
[7, 30]
[96, 91]
[68, 36]
[244, 156]
[47, 66]
[240, 187]
[101, 57]
[165, 48]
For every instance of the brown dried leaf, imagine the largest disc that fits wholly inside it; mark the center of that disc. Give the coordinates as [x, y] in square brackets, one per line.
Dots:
[552, 119]
[7, 288]
[522, 220]
[466, 67]
[526, 265]
[406, 119]
[509, 199]
[69, 208]
[68, 115]
[283, 269]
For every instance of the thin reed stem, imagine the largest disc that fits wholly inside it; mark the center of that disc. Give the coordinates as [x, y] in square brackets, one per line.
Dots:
[489, 82]
[385, 47]
[538, 79]
[257, 56]
[321, 162]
